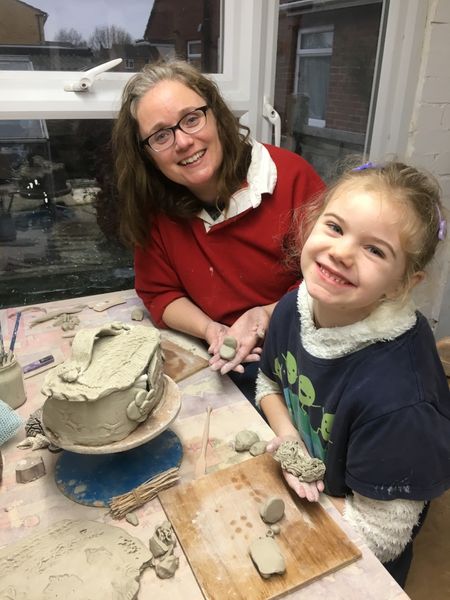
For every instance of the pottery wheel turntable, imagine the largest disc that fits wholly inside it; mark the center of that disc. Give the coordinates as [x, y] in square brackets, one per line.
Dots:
[93, 475]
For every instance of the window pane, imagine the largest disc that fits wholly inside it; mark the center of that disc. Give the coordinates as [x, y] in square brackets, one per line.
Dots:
[314, 74]
[319, 39]
[72, 36]
[324, 100]
[51, 244]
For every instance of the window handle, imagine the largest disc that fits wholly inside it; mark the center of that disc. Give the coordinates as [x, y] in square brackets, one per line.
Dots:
[274, 118]
[85, 82]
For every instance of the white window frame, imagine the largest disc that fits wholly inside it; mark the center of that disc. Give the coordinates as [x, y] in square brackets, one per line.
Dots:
[250, 30]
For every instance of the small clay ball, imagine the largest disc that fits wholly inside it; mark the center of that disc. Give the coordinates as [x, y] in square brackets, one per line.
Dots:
[227, 350]
[244, 440]
[275, 528]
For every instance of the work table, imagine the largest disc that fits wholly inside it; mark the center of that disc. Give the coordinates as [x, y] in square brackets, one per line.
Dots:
[28, 508]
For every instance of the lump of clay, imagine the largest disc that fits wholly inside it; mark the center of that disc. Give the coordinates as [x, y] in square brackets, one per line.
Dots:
[137, 314]
[292, 459]
[112, 382]
[266, 555]
[244, 440]
[257, 448]
[227, 350]
[272, 510]
[161, 546]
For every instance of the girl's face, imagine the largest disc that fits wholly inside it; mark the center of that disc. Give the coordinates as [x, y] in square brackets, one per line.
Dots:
[194, 159]
[353, 257]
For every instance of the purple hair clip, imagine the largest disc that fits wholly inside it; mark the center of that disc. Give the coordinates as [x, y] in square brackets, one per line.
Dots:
[442, 231]
[367, 165]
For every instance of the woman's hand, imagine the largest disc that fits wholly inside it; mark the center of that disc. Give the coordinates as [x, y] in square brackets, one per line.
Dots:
[310, 491]
[249, 331]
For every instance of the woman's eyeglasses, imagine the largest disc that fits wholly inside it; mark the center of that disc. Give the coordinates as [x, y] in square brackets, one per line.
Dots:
[163, 139]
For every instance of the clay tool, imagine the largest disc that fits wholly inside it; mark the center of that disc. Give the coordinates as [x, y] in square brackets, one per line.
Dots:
[14, 337]
[2, 346]
[200, 465]
[37, 364]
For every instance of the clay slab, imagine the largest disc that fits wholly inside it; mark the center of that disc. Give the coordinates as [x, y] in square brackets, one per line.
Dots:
[73, 560]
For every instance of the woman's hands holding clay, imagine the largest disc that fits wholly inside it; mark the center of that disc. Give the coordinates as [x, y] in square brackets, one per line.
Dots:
[248, 331]
[310, 491]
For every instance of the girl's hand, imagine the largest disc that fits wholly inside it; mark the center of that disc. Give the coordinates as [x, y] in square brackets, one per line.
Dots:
[310, 491]
[249, 331]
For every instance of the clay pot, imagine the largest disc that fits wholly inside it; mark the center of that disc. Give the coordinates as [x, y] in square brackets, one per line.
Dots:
[12, 389]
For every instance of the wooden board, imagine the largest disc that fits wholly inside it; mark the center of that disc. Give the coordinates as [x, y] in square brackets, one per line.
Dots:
[180, 363]
[217, 516]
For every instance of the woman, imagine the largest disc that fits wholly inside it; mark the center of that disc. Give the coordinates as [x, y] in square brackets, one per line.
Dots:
[206, 209]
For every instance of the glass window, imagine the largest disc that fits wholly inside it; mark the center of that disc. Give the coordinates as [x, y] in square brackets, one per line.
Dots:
[57, 35]
[312, 73]
[57, 231]
[326, 61]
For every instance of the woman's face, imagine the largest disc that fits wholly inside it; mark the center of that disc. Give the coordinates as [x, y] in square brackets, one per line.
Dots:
[194, 159]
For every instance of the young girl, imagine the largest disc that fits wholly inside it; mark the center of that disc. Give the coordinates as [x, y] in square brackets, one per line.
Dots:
[351, 368]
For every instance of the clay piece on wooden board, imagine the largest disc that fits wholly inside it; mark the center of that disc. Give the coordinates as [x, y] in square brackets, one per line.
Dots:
[29, 468]
[294, 460]
[227, 350]
[73, 560]
[111, 383]
[245, 439]
[272, 510]
[161, 546]
[267, 557]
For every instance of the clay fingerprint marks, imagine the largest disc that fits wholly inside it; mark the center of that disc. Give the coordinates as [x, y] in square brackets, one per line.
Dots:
[73, 560]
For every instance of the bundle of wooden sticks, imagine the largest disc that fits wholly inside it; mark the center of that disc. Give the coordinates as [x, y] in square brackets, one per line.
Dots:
[121, 505]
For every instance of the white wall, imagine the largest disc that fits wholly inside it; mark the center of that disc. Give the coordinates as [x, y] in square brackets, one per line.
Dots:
[429, 146]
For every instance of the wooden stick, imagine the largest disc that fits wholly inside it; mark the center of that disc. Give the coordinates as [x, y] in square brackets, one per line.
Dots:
[200, 466]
